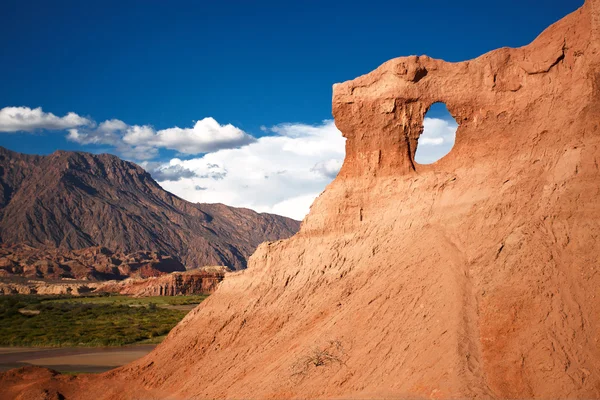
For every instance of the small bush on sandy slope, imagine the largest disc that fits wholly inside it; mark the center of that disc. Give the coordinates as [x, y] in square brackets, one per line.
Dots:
[319, 356]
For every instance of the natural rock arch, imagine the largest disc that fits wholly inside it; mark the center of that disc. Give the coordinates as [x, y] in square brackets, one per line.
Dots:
[438, 135]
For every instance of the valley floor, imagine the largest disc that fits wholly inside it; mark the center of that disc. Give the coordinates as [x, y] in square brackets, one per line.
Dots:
[72, 359]
[85, 334]
[94, 321]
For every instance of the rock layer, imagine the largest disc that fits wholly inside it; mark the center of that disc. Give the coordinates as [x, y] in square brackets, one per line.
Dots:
[200, 281]
[89, 264]
[475, 276]
[43, 288]
[77, 200]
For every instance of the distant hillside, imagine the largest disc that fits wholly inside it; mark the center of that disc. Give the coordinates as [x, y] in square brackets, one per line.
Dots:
[78, 200]
[89, 264]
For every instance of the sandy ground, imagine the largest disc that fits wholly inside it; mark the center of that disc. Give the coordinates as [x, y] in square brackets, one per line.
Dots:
[72, 359]
[10, 350]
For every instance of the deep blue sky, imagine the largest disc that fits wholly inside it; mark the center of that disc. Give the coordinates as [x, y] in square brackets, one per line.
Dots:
[249, 63]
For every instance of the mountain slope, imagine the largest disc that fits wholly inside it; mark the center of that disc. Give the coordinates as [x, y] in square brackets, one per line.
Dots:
[77, 200]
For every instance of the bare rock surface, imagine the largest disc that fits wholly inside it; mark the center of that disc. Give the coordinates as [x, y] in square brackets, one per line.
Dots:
[473, 277]
[77, 200]
[88, 264]
[40, 287]
[198, 281]
[57, 271]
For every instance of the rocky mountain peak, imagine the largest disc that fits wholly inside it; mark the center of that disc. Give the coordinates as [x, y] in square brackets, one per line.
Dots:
[77, 200]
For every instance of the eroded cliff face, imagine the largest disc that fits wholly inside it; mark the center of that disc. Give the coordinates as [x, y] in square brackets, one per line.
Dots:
[476, 276]
[20, 262]
[199, 281]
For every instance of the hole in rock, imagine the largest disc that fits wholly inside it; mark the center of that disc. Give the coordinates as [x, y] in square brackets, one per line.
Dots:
[438, 135]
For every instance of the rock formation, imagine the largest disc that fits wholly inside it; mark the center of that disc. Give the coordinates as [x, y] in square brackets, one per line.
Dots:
[57, 271]
[198, 281]
[89, 264]
[71, 288]
[475, 276]
[77, 200]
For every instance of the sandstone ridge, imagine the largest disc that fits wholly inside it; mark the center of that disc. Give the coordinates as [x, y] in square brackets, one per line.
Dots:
[473, 277]
[197, 281]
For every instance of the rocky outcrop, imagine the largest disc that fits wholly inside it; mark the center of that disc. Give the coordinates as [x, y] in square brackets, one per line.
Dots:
[200, 281]
[45, 288]
[78, 200]
[89, 264]
[473, 277]
[50, 271]
[193, 282]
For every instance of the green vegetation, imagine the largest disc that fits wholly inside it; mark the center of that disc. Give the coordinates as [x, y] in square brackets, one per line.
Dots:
[131, 301]
[88, 321]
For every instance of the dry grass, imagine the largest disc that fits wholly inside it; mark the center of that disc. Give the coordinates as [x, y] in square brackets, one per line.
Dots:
[331, 352]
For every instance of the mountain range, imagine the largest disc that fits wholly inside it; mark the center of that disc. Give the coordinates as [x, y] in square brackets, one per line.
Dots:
[76, 200]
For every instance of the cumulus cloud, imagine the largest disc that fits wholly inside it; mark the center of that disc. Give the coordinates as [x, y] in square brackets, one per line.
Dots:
[108, 132]
[141, 142]
[172, 173]
[111, 132]
[25, 119]
[436, 140]
[205, 136]
[281, 173]
[328, 168]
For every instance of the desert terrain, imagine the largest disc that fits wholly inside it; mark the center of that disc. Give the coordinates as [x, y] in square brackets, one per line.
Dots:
[72, 360]
[473, 277]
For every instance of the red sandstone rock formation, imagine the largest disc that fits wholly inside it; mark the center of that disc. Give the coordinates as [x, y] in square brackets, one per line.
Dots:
[90, 264]
[27, 270]
[476, 276]
[199, 281]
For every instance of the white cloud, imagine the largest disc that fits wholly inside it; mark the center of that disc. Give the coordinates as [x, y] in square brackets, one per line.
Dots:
[141, 142]
[136, 135]
[111, 132]
[172, 172]
[328, 168]
[432, 141]
[25, 119]
[112, 125]
[436, 140]
[207, 135]
[108, 132]
[280, 174]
